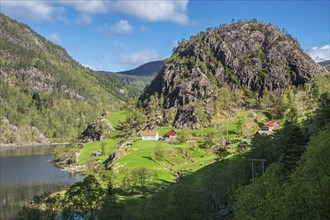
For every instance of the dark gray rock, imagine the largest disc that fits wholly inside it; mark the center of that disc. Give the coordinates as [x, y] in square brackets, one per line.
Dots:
[96, 131]
[249, 55]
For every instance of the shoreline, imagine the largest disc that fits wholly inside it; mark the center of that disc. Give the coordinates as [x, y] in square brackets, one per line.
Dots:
[30, 145]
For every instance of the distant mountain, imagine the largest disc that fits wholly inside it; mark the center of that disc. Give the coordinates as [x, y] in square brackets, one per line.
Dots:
[240, 62]
[43, 90]
[148, 69]
[326, 64]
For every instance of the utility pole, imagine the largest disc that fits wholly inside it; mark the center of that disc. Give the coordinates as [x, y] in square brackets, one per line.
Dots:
[253, 166]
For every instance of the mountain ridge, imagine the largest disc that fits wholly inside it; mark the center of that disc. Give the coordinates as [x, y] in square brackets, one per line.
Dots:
[147, 69]
[43, 87]
[326, 64]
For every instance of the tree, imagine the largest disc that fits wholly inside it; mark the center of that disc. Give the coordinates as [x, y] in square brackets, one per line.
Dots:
[200, 114]
[294, 148]
[45, 206]
[37, 100]
[159, 152]
[141, 176]
[240, 127]
[135, 120]
[110, 207]
[210, 140]
[183, 136]
[152, 105]
[83, 199]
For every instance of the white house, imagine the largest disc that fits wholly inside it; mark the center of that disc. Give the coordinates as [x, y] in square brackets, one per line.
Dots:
[149, 135]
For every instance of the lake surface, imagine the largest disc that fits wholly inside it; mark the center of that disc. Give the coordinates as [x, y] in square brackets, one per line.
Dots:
[25, 172]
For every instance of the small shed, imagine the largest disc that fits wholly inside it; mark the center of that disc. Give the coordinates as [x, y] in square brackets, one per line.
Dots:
[171, 134]
[149, 135]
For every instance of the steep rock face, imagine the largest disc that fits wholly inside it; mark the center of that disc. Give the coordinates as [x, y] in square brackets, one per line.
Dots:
[249, 55]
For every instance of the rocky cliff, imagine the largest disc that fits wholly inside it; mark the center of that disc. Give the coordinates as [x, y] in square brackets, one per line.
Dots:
[96, 131]
[248, 55]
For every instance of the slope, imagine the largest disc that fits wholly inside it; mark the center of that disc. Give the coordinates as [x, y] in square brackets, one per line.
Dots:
[43, 90]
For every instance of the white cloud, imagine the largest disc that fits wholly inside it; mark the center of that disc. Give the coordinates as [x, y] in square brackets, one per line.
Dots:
[320, 53]
[28, 10]
[86, 9]
[54, 10]
[137, 58]
[121, 27]
[154, 11]
[88, 6]
[161, 10]
[55, 37]
[143, 29]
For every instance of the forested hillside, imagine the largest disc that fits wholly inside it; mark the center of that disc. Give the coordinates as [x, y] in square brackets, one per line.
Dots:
[44, 91]
[295, 185]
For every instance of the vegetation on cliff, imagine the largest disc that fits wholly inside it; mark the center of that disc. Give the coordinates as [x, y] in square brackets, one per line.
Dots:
[42, 88]
[248, 64]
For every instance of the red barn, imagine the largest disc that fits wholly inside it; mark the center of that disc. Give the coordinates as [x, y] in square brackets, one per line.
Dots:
[171, 134]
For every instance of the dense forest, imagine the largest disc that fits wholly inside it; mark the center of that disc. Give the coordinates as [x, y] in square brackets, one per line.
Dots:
[46, 95]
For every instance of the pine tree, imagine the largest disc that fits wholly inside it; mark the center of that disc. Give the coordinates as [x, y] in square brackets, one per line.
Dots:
[293, 148]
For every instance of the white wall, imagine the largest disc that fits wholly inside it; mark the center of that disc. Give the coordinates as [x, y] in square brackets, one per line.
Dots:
[155, 138]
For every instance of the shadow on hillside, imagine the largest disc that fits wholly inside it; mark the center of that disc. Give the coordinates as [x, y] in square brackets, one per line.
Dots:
[218, 180]
[150, 158]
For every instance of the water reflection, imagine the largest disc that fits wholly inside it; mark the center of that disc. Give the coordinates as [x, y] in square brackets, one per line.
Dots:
[25, 172]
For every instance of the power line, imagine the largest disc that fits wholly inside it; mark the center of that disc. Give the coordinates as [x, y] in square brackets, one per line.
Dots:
[254, 171]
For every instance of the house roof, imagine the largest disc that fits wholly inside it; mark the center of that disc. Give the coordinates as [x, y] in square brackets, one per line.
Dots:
[272, 124]
[170, 133]
[149, 133]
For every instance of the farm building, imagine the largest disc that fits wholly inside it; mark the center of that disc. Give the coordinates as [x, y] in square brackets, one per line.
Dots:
[271, 125]
[171, 134]
[149, 135]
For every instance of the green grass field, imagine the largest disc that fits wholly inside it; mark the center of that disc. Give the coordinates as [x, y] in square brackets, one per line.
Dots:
[115, 118]
[179, 158]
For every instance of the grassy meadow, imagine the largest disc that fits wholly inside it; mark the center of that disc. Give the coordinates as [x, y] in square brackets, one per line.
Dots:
[164, 160]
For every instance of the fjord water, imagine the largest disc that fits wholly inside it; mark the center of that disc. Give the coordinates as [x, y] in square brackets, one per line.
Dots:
[25, 172]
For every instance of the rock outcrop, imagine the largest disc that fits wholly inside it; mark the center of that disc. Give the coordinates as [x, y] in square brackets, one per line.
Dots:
[248, 55]
[96, 131]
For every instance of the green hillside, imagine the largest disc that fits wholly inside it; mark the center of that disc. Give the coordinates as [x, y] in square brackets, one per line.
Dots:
[43, 90]
[192, 180]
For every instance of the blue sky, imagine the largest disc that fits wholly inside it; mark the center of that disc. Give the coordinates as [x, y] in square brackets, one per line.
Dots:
[115, 35]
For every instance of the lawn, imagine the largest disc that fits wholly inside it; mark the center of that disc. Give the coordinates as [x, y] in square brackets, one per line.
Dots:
[115, 118]
[178, 157]
[86, 152]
